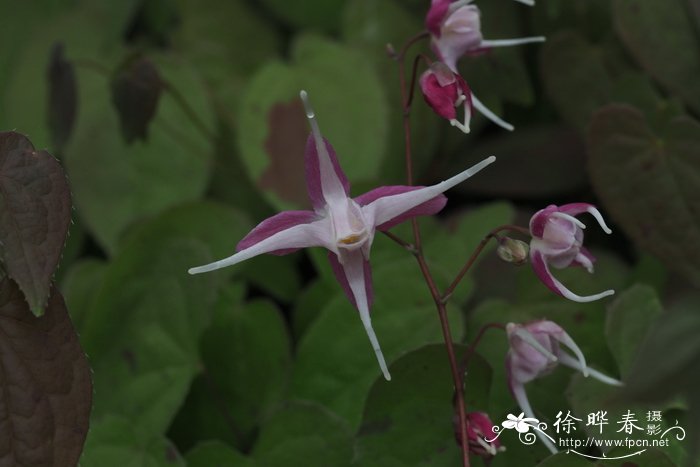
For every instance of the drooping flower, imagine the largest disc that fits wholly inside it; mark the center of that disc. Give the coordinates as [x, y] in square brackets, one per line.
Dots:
[479, 429]
[534, 351]
[446, 91]
[345, 226]
[557, 240]
[455, 30]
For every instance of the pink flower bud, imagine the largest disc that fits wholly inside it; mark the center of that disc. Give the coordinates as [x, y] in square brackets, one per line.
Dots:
[479, 429]
[445, 91]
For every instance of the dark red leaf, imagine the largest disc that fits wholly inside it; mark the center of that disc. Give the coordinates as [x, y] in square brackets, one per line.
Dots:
[45, 385]
[63, 97]
[136, 89]
[35, 207]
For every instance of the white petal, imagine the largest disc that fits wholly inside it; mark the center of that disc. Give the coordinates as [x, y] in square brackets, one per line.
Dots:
[511, 42]
[571, 362]
[566, 339]
[599, 217]
[490, 115]
[521, 397]
[386, 208]
[353, 265]
[318, 233]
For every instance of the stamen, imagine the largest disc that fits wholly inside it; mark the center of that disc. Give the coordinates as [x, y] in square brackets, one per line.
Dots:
[487, 446]
[568, 217]
[460, 100]
[459, 125]
[534, 343]
[599, 217]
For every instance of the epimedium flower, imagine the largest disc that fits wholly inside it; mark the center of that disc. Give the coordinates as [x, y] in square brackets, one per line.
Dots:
[557, 240]
[445, 91]
[479, 429]
[534, 351]
[455, 30]
[343, 225]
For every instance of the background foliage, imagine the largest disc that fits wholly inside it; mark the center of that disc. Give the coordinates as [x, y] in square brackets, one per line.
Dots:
[188, 131]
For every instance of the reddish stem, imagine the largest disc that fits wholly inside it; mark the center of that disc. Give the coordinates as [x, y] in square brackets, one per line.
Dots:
[425, 270]
[475, 254]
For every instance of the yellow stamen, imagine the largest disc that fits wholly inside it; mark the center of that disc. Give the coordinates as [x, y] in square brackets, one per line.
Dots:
[350, 239]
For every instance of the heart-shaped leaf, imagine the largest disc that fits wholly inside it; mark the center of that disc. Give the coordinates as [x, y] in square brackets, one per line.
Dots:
[673, 61]
[648, 182]
[35, 206]
[46, 391]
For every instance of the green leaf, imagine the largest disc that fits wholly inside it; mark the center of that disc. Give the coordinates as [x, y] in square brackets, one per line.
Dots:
[574, 76]
[674, 61]
[143, 328]
[335, 363]
[216, 454]
[24, 94]
[629, 320]
[46, 386]
[305, 434]
[410, 419]
[651, 457]
[648, 182]
[307, 14]
[117, 442]
[564, 459]
[309, 305]
[80, 286]
[35, 212]
[116, 184]
[246, 355]
[521, 156]
[350, 106]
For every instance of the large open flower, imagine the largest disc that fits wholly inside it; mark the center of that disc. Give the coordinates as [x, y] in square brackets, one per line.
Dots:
[345, 226]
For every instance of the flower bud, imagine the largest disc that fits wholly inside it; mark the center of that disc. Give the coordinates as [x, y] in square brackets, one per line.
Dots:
[513, 251]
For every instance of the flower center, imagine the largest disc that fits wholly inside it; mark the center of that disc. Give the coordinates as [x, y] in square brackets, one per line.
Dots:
[349, 223]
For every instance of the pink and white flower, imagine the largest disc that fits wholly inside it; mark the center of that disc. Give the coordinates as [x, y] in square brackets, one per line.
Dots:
[446, 91]
[455, 30]
[343, 225]
[479, 429]
[557, 240]
[534, 351]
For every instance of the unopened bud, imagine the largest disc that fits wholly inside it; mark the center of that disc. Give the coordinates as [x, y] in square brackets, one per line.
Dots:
[513, 251]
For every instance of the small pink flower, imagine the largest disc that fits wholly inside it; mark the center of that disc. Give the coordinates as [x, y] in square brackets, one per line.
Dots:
[534, 351]
[479, 429]
[455, 29]
[557, 240]
[343, 225]
[445, 91]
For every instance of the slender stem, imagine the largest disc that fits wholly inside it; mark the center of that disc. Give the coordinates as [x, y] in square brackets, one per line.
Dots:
[414, 74]
[401, 242]
[425, 270]
[418, 37]
[475, 254]
[472, 347]
[189, 111]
